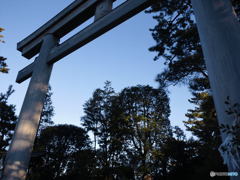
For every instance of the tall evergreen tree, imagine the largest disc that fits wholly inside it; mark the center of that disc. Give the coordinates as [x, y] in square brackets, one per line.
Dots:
[47, 112]
[202, 122]
[177, 41]
[97, 120]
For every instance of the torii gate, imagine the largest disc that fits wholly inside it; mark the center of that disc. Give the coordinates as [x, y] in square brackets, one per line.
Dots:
[44, 41]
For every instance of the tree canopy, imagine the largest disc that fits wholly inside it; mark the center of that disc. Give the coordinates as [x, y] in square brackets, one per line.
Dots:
[61, 150]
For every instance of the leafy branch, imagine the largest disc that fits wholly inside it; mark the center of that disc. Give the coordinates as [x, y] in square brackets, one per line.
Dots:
[3, 64]
[234, 129]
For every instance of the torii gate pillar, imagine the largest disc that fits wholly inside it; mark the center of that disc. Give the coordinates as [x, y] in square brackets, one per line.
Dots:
[219, 32]
[16, 161]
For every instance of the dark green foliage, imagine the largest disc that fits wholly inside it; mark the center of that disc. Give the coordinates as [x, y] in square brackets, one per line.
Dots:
[178, 44]
[202, 120]
[203, 124]
[177, 41]
[47, 112]
[101, 120]
[92, 118]
[62, 150]
[133, 139]
[130, 129]
[133, 133]
[180, 157]
[146, 112]
[3, 64]
[7, 120]
[233, 109]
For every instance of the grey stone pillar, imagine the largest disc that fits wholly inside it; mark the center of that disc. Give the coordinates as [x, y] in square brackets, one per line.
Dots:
[219, 32]
[18, 156]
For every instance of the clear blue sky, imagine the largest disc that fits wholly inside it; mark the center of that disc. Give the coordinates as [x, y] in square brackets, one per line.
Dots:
[120, 56]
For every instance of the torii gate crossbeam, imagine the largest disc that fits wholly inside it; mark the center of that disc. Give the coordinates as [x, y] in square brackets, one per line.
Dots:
[94, 30]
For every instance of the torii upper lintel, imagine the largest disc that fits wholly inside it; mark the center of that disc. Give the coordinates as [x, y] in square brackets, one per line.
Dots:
[94, 30]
